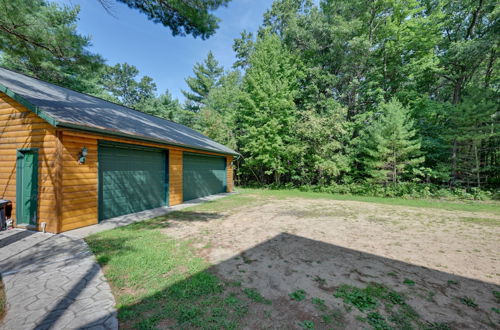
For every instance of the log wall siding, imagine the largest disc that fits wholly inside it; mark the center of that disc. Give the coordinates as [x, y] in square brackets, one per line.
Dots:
[21, 128]
[229, 173]
[79, 182]
[175, 177]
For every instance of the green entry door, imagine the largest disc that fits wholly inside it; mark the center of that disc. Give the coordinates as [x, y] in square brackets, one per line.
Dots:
[131, 179]
[203, 175]
[26, 186]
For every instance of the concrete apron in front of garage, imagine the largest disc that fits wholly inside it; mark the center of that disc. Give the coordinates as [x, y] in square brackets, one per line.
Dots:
[54, 282]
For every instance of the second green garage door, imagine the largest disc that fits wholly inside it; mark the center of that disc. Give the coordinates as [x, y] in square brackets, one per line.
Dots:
[203, 175]
[131, 179]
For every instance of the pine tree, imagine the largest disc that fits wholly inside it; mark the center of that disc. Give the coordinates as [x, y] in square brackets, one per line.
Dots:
[206, 77]
[388, 148]
[40, 38]
[217, 117]
[267, 109]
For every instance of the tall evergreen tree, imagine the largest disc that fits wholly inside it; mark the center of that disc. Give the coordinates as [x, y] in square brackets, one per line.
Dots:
[39, 38]
[206, 77]
[217, 118]
[268, 112]
[388, 147]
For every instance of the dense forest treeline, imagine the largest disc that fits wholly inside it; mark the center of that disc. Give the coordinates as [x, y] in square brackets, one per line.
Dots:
[347, 96]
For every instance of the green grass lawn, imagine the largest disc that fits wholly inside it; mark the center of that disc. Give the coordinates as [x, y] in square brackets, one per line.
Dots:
[161, 281]
[156, 278]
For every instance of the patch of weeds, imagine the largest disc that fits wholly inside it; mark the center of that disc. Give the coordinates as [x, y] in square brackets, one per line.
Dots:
[496, 294]
[357, 297]
[255, 295]
[393, 274]
[452, 282]
[235, 283]
[409, 282]
[377, 321]
[236, 304]
[496, 310]
[327, 318]
[319, 303]
[189, 314]
[369, 299]
[468, 301]
[306, 324]
[298, 295]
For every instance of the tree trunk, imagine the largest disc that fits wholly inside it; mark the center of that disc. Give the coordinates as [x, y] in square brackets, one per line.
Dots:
[476, 158]
[454, 163]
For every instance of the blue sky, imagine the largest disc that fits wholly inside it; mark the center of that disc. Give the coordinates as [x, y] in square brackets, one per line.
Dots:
[130, 37]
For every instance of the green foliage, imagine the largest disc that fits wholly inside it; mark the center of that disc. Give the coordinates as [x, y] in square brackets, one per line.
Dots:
[182, 17]
[359, 298]
[468, 301]
[163, 106]
[319, 303]
[298, 295]
[206, 77]
[268, 112]
[121, 85]
[307, 324]
[255, 295]
[409, 282]
[402, 189]
[217, 117]
[136, 260]
[394, 98]
[39, 38]
[387, 146]
[371, 298]
[377, 321]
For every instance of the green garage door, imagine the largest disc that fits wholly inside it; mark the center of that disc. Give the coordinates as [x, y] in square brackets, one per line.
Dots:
[131, 179]
[203, 175]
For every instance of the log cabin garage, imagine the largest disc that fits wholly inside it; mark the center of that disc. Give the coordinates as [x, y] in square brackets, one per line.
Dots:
[69, 160]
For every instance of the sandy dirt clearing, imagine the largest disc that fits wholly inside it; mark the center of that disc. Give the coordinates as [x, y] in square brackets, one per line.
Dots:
[442, 262]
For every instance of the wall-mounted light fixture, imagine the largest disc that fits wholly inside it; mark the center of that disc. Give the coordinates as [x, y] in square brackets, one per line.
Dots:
[82, 157]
